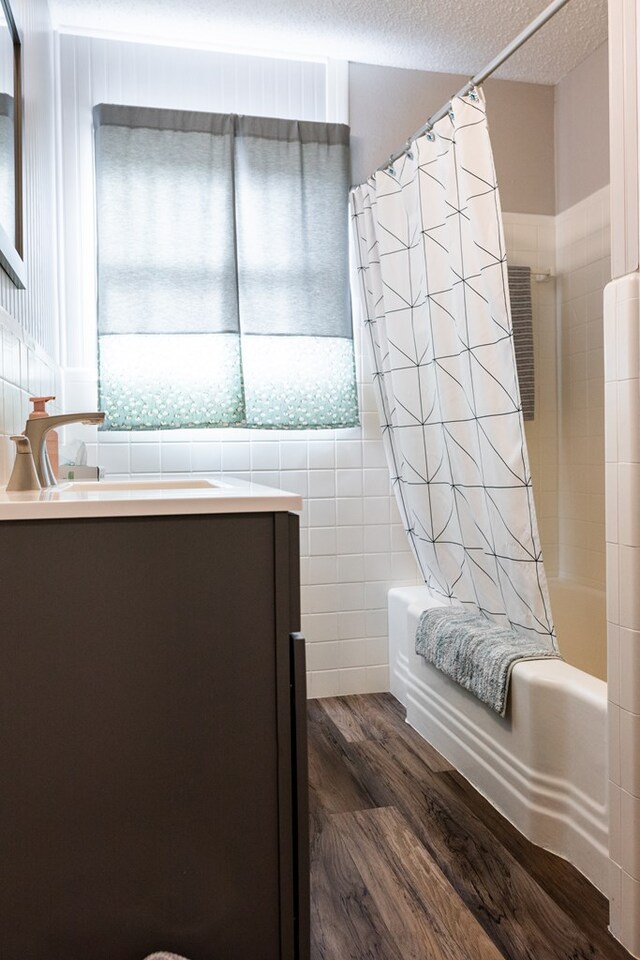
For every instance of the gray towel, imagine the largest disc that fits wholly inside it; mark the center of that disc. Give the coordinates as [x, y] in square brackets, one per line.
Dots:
[522, 320]
[475, 652]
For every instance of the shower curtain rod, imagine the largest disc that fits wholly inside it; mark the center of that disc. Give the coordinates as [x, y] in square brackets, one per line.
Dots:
[497, 61]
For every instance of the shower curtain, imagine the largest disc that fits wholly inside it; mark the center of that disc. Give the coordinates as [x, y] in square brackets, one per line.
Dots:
[432, 277]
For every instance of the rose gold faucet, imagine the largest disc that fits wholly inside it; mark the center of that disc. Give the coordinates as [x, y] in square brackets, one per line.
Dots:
[37, 430]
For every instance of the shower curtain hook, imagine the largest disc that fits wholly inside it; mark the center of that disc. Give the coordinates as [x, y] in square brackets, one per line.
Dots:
[473, 96]
[407, 150]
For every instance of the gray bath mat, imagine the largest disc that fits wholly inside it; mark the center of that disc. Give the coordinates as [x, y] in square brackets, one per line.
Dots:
[475, 652]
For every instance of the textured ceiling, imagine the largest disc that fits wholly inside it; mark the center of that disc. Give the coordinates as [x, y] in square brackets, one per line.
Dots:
[452, 36]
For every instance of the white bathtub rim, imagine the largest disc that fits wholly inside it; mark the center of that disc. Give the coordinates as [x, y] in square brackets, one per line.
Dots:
[526, 775]
[550, 810]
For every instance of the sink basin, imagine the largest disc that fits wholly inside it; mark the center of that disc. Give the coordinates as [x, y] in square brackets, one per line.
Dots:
[97, 486]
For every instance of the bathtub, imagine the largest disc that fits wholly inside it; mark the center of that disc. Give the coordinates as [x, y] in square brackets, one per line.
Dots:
[543, 766]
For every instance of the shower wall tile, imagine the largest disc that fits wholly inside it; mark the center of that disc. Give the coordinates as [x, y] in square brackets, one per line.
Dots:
[630, 752]
[583, 269]
[630, 925]
[630, 820]
[530, 241]
[627, 693]
[622, 315]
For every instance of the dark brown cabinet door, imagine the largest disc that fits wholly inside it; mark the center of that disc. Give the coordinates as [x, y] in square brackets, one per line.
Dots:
[141, 751]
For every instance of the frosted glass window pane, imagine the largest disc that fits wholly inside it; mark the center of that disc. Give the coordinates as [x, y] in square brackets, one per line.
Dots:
[299, 382]
[167, 381]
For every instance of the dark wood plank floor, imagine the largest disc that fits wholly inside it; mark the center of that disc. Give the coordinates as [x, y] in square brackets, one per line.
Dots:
[408, 862]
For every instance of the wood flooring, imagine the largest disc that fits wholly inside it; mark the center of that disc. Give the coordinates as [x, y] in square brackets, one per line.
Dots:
[409, 862]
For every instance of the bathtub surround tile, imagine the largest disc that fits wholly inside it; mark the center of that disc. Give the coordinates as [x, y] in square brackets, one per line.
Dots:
[629, 754]
[614, 658]
[628, 501]
[611, 422]
[630, 913]
[613, 583]
[615, 767]
[629, 594]
[630, 820]
[628, 416]
[615, 823]
[627, 339]
[615, 897]
[629, 656]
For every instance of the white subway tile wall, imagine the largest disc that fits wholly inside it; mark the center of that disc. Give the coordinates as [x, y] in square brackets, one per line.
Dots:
[622, 373]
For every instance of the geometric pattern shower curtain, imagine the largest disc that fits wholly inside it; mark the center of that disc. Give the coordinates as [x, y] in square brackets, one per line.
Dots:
[430, 254]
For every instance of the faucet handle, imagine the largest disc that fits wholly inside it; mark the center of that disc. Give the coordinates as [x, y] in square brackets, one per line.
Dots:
[23, 476]
[39, 406]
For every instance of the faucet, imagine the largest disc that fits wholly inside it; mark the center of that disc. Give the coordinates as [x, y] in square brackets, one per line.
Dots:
[36, 431]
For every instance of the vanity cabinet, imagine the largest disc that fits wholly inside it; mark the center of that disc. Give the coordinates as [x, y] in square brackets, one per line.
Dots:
[152, 750]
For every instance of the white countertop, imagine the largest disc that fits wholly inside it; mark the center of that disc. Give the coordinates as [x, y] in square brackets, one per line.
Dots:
[141, 498]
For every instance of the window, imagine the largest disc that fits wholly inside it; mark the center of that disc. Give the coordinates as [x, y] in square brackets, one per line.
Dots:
[223, 295]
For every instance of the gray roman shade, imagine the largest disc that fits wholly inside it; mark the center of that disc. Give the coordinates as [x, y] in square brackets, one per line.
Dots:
[223, 295]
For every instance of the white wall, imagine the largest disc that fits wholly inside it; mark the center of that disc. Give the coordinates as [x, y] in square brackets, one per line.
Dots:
[352, 545]
[28, 319]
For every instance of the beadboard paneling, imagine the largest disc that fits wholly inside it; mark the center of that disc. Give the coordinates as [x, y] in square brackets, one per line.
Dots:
[108, 71]
[35, 308]
[28, 328]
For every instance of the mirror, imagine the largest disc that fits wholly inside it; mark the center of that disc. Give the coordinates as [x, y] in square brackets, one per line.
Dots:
[11, 236]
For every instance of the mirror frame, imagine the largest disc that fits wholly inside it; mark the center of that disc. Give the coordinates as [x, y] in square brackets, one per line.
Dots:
[12, 254]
